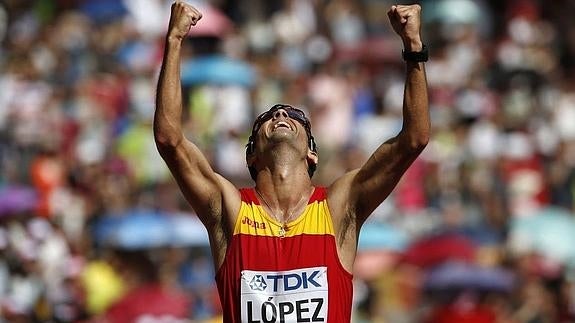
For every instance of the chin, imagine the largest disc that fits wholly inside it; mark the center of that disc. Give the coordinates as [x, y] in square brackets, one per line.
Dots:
[280, 136]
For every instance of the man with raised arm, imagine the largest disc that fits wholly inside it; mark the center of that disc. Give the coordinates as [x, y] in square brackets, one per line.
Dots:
[284, 249]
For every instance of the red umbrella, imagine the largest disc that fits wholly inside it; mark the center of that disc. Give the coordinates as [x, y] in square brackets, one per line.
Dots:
[468, 313]
[433, 250]
[151, 302]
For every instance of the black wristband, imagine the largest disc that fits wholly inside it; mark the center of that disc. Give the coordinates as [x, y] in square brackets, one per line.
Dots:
[421, 56]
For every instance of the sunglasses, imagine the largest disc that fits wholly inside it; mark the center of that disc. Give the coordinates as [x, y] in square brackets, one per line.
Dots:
[293, 113]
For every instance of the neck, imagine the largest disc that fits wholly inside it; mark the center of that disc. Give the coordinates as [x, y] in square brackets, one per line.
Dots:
[282, 190]
[283, 212]
[283, 183]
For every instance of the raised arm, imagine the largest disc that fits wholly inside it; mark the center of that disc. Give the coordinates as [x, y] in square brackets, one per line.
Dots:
[210, 195]
[358, 193]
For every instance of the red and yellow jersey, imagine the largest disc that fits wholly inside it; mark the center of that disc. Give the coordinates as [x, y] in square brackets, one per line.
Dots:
[295, 278]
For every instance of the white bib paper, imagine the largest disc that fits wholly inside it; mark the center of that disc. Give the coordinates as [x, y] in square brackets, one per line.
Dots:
[298, 295]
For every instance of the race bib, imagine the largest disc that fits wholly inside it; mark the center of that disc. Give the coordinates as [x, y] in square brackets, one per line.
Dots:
[298, 295]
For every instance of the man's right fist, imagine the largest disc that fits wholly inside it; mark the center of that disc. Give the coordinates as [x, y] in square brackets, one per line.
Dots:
[406, 21]
[183, 16]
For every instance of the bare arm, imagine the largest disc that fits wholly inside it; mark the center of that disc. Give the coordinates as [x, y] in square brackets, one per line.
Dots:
[354, 196]
[203, 188]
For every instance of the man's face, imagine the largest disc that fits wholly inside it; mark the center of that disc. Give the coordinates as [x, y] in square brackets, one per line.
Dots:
[282, 123]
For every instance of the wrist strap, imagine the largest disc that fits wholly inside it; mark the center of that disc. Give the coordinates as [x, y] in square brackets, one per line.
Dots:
[421, 56]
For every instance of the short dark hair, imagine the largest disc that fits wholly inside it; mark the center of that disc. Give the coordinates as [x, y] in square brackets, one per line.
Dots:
[294, 113]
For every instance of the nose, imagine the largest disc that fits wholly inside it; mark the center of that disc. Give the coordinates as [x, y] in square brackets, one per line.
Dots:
[279, 113]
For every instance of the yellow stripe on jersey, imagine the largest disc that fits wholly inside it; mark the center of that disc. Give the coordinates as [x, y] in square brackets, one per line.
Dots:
[253, 220]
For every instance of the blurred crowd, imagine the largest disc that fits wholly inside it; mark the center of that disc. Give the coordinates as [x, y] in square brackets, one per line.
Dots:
[480, 229]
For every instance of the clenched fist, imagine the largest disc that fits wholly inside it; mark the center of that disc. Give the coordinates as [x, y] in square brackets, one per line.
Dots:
[406, 22]
[182, 17]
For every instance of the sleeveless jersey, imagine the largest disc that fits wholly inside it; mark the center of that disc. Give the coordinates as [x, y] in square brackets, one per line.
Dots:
[295, 278]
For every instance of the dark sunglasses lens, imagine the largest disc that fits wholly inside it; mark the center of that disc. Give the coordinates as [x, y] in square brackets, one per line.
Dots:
[298, 115]
[294, 114]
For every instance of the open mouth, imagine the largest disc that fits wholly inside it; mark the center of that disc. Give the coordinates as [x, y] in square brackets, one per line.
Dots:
[282, 124]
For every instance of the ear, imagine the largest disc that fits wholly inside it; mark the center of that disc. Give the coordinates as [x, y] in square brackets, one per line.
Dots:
[312, 157]
[250, 159]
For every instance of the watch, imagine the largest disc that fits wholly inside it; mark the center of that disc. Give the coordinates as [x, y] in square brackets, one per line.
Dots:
[421, 56]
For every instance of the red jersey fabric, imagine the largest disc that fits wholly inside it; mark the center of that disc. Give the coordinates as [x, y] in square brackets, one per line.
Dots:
[297, 277]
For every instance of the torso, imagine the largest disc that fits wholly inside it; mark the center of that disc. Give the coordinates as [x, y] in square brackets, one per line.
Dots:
[295, 278]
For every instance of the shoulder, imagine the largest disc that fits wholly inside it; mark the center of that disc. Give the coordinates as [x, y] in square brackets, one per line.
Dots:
[319, 194]
[248, 194]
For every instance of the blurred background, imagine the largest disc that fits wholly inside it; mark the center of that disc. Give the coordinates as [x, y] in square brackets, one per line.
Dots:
[480, 229]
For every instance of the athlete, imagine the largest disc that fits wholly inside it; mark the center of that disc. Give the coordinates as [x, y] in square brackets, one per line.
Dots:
[284, 249]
